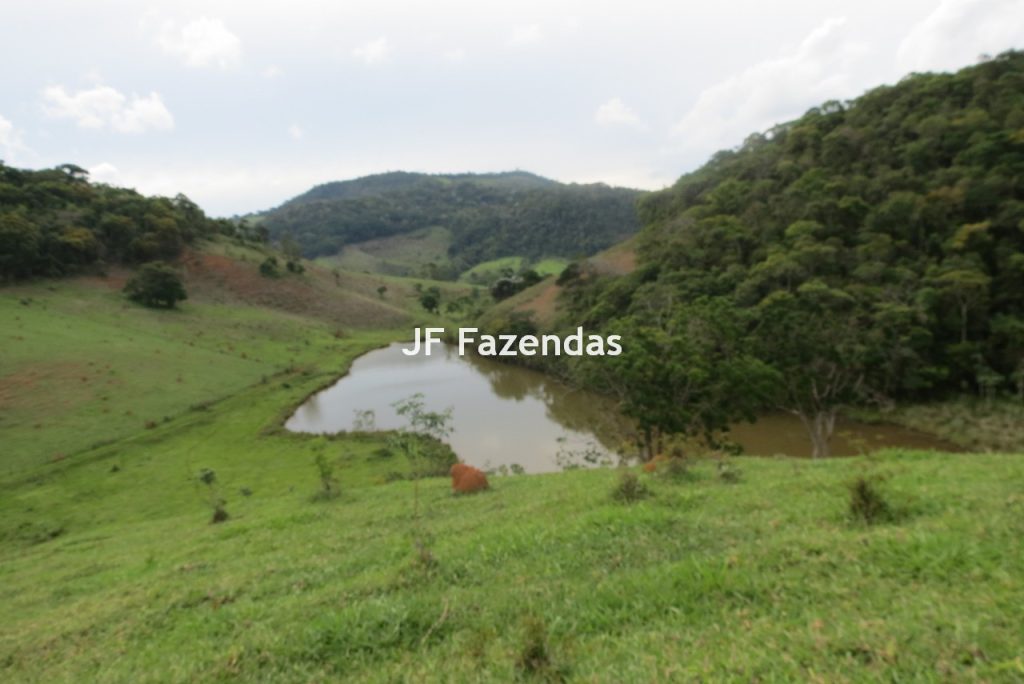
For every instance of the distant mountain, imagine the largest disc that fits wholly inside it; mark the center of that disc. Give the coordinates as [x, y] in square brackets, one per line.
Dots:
[487, 215]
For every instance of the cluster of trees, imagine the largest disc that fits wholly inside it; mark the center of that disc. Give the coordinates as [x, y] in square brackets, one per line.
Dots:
[870, 251]
[512, 283]
[488, 215]
[54, 222]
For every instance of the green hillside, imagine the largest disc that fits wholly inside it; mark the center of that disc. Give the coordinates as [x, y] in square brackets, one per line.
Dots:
[487, 215]
[870, 252]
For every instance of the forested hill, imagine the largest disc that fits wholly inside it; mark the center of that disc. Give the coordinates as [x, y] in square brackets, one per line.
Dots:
[872, 249]
[488, 215]
[55, 222]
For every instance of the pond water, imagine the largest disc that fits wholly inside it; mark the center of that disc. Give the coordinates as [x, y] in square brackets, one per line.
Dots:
[508, 415]
[502, 414]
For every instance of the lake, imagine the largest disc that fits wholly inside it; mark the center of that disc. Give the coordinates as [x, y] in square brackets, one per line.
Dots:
[509, 415]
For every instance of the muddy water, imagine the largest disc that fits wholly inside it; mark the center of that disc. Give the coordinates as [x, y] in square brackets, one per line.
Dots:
[507, 415]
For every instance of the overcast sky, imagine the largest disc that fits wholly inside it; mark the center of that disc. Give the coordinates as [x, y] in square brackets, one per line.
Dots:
[241, 105]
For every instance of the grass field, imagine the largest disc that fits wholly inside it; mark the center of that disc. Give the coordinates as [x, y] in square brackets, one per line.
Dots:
[81, 365]
[110, 570]
[550, 266]
[487, 271]
[764, 580]
[401, 255]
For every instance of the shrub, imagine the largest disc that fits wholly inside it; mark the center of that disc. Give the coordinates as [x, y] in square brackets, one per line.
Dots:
[629, 488]
[867, 503]
[328, 483]
[269, 268]
[209, 478]
[535, 659]
[728, 471]
[533, 653]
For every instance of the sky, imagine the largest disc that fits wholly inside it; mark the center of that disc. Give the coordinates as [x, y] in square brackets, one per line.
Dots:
[241, 105]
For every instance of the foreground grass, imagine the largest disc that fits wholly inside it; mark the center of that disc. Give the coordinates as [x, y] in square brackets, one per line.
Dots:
[766, 579]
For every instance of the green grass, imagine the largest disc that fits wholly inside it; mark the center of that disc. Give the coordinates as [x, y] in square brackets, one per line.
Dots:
[490, 270]
[550, 266]
[762, 580]
[81, 365]
[400, 255]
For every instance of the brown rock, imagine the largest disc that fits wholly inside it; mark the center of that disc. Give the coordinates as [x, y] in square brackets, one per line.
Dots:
[466, 479]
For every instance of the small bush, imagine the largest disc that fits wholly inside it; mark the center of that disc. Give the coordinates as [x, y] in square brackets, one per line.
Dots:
[533, 653]
[269, 268]
[219, 514]
[629, 488]
[728, 471]
[328, 483]
[209, 478]
[867, 503]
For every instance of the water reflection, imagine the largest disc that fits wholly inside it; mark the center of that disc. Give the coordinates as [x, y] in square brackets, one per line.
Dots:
[502, 414]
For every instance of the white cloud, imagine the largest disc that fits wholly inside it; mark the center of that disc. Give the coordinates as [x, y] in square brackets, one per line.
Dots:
[373, 52]
[200, 43]
[615, 112]
[825, 66]
[105, 107]
[105, 172]
[525, 35]
[455, 54]
[273, 71]
[10, 140]
[295, 132]
[959, 31]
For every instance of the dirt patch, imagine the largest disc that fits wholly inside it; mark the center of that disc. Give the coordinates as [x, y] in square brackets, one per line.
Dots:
[115, 280]
[618, 260]
[28, 383]
[544, 305]
[310, 294]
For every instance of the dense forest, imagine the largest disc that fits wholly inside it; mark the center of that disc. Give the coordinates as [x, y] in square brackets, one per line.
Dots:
[489, 215]
[870, 251]
[54, 222]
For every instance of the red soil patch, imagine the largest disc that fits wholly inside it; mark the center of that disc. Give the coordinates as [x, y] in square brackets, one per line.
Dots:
[545, 305]
[306, 294]
[466, 479]
[23, 384]
[115, 279]
[618, 260]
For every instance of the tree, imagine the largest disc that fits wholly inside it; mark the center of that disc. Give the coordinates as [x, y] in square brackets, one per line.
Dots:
[156, 285]
[20, 245]
[381, 291]
[684, 373]
[269, 267]
[504, 288]
[425, 430]
[430, 299]
[815, 341]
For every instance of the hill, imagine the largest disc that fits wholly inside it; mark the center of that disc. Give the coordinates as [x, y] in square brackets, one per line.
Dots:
[483, 216]
[54, 222]
[871, 251]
